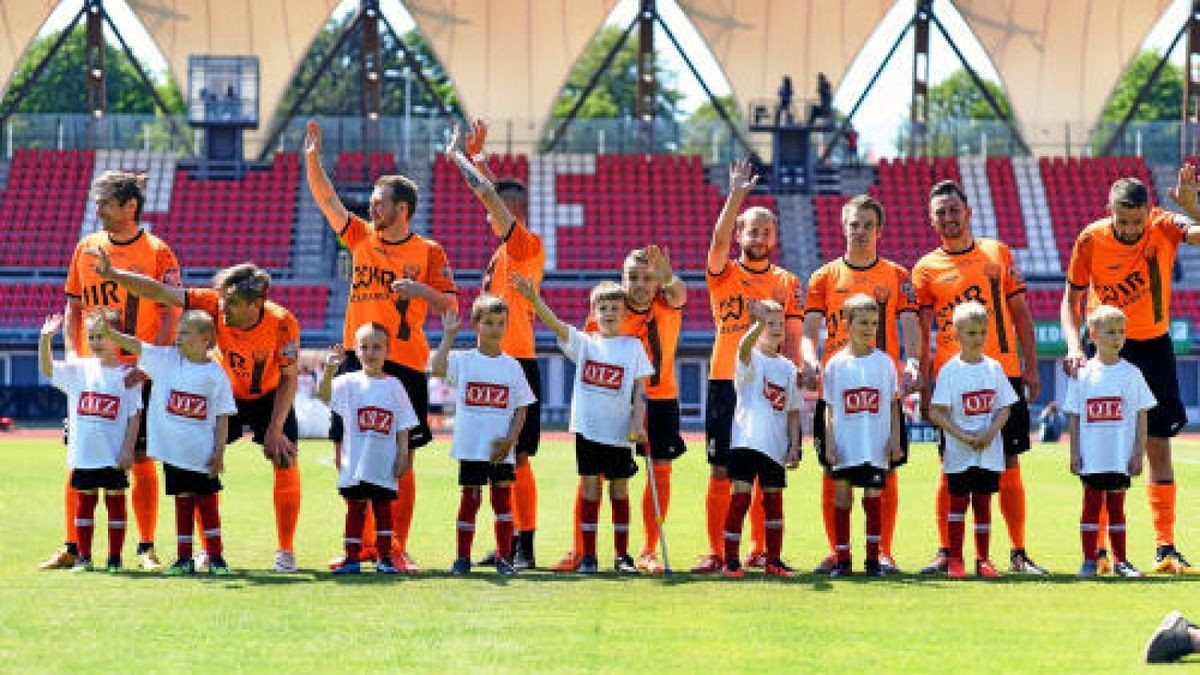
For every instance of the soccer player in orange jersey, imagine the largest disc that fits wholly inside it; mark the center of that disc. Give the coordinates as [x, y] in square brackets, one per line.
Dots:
[258, 343]
[399, 276]
[119, 197]
[968, 268]
[860, 270]
[1125, 260]
[732, 284]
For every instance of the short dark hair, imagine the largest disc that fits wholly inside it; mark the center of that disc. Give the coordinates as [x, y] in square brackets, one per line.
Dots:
[401, 189]
[121, 186]
[245, 280]
[511, 188]
[864, 203]
[945, 188]
[1130, 193]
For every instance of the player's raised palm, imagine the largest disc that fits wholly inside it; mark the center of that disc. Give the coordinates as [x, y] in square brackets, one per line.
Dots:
[1186, 188]
[476, 138]
[52, 323]
[312, 138]
[742, 177]
[102, 265]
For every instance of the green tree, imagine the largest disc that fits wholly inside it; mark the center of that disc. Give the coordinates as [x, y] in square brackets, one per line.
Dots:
[615, 95]
[959, 116]
[699, 127]
[62, 86]
[1164, 100]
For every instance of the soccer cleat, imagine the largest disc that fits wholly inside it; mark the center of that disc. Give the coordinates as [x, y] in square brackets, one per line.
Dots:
[648, 563]
[1170, 642]
[218, 567]
[285, 562]
[347, 567]
[732, 571]
[1126, 569]
[569, 563]
[955, 569]
[623, 564]
[588, 565]
[488, 559]
[182, 567]
[148, 560]
[405, 564]
[874, 568]
[1089, 569]
[61, 560]
[778, 568]
[986, 569]
[460, 567]
[337, 562]
[826, 565]
[505, 568]
[522, 560]
[709, 564]
[83, 564]
[841, 570]
[939, 564]
[1103, 564]
[888, 564]
[1021, 563]
[755, 561]
[200, 561]
[113, 565]
[384, 566]
[1167, 560]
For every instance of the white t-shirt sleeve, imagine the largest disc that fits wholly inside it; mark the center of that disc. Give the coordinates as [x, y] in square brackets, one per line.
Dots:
[223, 397]
[522, 392]
[338, 402]
[642, 367]
[1005, 394]
[829, 379]
[154, 359]
[65, 375]
[133, 398]
[1143, 398]
[572, 345]
[941, 392]
[744, 372]
[793, 393]
[453, 366]
[406, 417]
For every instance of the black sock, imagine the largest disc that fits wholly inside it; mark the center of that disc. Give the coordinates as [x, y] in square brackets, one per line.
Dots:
[525, 540]
[72, 548]
[144, 546]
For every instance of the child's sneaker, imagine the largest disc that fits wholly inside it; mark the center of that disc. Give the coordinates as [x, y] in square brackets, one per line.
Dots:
[841, 570]
[568, 563]
[182, 568]
[1126, 569]
[733, 570]
[1021, 563]
[623, 564]
[648, 563]
[1089, 569]
[709, 564]
[955, 569]
[874, 568]
[148, 560]
[588, 565]
[460, 567]
[384, 566]
[505, 568]
[986, 569]
[756, 561]
[1103, 564]
[778, 568]
[218, 567]
[348, 567]
[940, 563]
[82, 564]
[113, 565]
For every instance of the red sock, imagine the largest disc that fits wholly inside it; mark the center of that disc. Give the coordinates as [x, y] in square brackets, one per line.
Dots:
[829, 509]
[872, 508]
[758, 525]
[502, 497]
[589, 515]
[620, 519]
[356, 517]
[1115, 505]
[956, 523]
[185, 510]
[383, 527]
[773, 513]
[85, 523]
[942, 510]
[841, 533]
[1088, 521]
[468, 507]
[889, 505]
[739, 504]
[981, 505]
[210, 516]
[716, 505]
[114, 504]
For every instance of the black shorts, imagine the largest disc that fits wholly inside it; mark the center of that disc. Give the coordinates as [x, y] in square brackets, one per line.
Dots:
[662, 429]
[973, 480]
[1015, 433]
[531, 432]
[185, 481]
[596, 459]
[1156, 359]
[1106, 481]
[256, 414]
[362, 491]
[104, 478]
[416, 385]
[818, 427]
[718, 420]
[862, 476]
[478, 474]
[745, 465]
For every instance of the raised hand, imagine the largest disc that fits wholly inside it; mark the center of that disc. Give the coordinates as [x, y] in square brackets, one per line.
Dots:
[660, 263]
[102, 265]
[312, 138]
[336, 357]
[452, 141]
[1186, 188]
[450, 320]
[524, 285]
[407, 289]
[52, 323]
[476, 138]
[742, 177]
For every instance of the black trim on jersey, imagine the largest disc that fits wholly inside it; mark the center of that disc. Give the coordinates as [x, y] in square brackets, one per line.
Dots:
[818, 312]
[349, 217]
[852, 266]
[397, 243]
[962, 252]
[137, 236]
[1078, 287]
[1019, 291]
[751, 271]
[905, 311]
[508, 235]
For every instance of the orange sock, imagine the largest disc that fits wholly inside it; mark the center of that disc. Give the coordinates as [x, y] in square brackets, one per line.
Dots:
[368, 533]
[144, 498]
[287, 505]
[889, 504]
[577, 524]
[524, 498]
[402, 511]
[758, 522]
[662, 481]
[1102, 525]
[828, 510]
[1012, 505]
[942, 512]
[70, 503]
[1162, 512]
[716, 505]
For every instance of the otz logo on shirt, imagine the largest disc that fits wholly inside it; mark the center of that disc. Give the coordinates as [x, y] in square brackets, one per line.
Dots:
[486, 395]
[1105, 409]
[185, 404]
[978, 402]
[775, 395]
[374, 419]
[603, 375]
[93, 404]
[861, 400]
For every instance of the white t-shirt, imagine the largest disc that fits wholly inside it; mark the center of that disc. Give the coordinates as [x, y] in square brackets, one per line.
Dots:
[376, 410]
[974, 392]
[861, 393]
[605, 372]
[99, 406]
[487, 392]
[766, 393]
[185, 400]
[1107, 400]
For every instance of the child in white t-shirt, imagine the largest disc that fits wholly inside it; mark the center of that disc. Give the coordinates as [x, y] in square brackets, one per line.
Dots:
[765, 435]
[103, 415]
[1106, 407]
[608, 409]
[491, 396]
[374, 452]
[862, 422]
[186, 429]
[970, 404]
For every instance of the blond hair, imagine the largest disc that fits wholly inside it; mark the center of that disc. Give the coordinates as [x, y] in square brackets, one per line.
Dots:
[1104, 315]
[606, 290]
[859, 302]
[369, 328]
[487, 303]
[969, 312]
[201, 319]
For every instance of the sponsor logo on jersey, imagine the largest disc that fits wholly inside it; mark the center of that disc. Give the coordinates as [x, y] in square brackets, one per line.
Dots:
[1105, 409]
[95, 404]
[603, 375]
[374, 419]
[775, 395]
[861, 400]
[486, 395]
[185, 404]
[978, 402]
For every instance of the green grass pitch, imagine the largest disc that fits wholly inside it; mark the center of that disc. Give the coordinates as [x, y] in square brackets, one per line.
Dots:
[310, 622]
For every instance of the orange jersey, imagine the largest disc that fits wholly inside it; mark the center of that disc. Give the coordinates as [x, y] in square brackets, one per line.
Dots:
[729, 291]
[377, 263]
[837, 281]
[145, 254]
[252, 358]
[985, 273]
[658, 328]
[523, 254]
[1134, 277]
